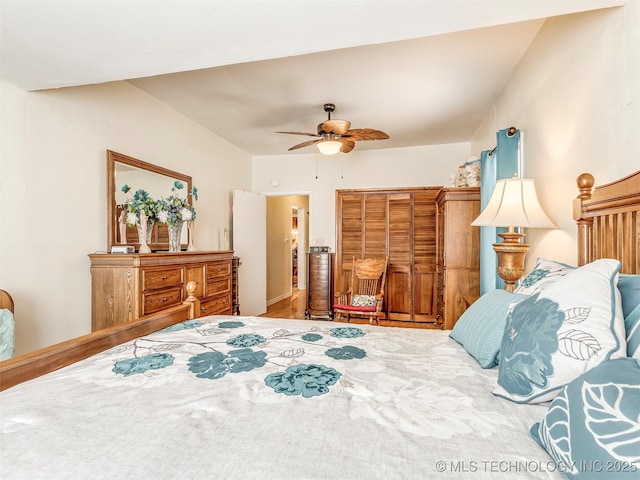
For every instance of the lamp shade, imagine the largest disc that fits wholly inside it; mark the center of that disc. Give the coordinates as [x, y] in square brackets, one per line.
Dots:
[329, 147]
[514, 203]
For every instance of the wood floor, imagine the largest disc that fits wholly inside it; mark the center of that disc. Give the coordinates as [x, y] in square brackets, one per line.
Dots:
[292, 307]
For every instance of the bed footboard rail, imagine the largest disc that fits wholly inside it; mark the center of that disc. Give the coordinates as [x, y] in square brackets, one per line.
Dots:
[31, 365]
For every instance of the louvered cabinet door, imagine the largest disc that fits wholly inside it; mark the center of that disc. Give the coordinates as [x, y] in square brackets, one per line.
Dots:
[424, 256]
[362, 231]
[399, 275]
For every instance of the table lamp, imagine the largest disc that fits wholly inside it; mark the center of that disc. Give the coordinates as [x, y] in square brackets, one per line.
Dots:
[514, 203]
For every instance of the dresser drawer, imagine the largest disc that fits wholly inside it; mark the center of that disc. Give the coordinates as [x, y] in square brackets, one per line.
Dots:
[219, 286]
[217, 305]
[154, 302]
[155, 279]
[218, 269]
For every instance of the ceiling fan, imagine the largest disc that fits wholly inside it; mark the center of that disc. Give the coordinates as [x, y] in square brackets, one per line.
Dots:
[335, 135]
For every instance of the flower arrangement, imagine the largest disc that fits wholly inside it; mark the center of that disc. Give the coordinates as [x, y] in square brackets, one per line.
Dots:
[139, 202]
[174, 210]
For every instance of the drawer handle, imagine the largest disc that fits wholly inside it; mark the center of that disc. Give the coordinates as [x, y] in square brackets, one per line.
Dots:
[164, 277]
[203, 309]
[165, 299]
[224, 302]
[220, 287]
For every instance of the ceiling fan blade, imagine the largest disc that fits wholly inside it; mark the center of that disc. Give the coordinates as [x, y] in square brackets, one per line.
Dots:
[358, 134]
[347, 145]
[305, 144]
[301, 133]
[336, 126]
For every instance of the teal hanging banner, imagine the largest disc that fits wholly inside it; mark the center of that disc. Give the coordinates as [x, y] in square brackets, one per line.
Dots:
[502, 162]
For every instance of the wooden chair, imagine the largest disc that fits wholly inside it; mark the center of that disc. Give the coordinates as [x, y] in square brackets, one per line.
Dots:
[7, 326]
[365, 295]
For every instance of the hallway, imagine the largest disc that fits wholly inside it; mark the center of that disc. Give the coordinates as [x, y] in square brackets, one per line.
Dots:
[292, 307]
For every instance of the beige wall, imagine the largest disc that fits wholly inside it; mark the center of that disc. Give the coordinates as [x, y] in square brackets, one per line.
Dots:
[320, 176]
[576, 97]
[53, 191]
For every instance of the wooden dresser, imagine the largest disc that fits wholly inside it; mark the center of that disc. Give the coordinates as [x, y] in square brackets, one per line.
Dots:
[457, 253]
[125, 287]
[319, 285]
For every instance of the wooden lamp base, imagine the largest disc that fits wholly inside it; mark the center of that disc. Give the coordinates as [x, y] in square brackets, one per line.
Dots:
[511, 255]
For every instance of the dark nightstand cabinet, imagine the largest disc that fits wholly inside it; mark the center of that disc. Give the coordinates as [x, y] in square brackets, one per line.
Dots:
[319, 285]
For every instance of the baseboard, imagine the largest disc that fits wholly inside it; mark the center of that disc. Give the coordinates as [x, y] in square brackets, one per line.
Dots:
[284, 296]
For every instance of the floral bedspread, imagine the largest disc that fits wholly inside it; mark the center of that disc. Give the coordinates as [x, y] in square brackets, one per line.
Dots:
[253, 397]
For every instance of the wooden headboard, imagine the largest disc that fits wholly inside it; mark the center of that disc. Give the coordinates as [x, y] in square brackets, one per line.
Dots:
[608, 218]
[5, 300]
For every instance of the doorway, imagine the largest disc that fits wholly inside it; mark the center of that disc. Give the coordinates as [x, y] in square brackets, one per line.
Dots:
[287, 239]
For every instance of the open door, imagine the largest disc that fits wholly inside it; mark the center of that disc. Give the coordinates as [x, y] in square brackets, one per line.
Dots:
[250, 244]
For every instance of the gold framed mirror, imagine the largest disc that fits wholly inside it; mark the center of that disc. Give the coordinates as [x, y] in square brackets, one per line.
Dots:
[157, 181]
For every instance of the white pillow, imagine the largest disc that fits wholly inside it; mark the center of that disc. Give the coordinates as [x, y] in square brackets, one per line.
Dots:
[556, 335]
[543, 274]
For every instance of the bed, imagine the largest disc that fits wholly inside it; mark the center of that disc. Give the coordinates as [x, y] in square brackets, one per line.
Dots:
[180, 396]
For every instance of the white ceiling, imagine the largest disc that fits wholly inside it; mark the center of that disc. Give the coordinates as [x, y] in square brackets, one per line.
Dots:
[424, 71]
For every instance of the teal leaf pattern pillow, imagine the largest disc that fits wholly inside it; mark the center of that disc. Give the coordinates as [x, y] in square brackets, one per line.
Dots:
[592, 428]
[306, 380]
[152, 361]
[559, 333]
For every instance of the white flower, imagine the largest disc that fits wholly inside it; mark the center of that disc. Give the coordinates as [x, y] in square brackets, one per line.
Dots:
[132, 219]
[163, 216]
[186, 214]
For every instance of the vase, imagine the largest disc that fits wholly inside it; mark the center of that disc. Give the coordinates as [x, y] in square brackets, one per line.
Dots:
[191, 226]
[145, 229]
[175, 233]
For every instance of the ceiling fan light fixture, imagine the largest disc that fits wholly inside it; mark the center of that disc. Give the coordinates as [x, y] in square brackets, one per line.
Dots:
[329, 147]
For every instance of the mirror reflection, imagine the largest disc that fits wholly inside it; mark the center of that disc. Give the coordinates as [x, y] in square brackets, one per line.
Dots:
[156, 181]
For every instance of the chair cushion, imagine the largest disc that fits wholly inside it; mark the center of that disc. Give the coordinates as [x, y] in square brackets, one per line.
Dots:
[364, 300]
[354, 308]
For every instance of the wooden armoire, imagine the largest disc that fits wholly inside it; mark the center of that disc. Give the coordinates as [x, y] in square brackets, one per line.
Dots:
[458, 249]
[400, 224]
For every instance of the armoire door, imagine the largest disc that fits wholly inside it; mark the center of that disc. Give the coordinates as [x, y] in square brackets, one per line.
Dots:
[400, 246]
[424, 255]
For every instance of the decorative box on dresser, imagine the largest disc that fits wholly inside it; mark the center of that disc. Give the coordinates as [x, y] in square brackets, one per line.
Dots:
[320, 288]
[457, 254]
[125, 287]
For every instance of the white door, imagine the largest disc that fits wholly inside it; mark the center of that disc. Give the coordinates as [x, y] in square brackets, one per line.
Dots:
[250, 244]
